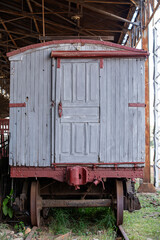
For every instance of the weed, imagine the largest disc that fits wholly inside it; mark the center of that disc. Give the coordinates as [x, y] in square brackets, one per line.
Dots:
[85, 221]
[20, 227]
[7, 208]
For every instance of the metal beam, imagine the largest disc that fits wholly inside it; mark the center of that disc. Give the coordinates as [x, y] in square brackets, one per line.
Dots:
[14, 19]
[146, 26]
[26, 14]
[134, 3]
[4, 25]
[108, 2]
[94, 9]
[21, 33]
[104, 38]
[130, 14]
[59, 16]
[35, 21]
[43, 19]
[103, 30]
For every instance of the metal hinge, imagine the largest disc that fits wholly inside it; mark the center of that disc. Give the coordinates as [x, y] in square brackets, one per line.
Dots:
[52, 103]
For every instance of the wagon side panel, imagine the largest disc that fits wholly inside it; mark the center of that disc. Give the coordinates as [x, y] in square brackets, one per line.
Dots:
[30, 144]
[125, 125]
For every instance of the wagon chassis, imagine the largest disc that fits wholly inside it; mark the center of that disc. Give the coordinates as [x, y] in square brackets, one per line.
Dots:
[91, 177]
[63, 171]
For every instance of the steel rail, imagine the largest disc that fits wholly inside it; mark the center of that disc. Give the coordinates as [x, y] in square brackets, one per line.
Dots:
[122, 232]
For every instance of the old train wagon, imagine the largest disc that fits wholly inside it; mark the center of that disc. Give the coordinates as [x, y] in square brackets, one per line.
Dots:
[77, 124]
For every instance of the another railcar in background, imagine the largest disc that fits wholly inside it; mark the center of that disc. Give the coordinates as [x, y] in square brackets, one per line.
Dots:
[77, 125]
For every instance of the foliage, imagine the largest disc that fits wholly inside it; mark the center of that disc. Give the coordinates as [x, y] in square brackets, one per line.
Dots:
[81, 221]
[6, 207]
[20, 227]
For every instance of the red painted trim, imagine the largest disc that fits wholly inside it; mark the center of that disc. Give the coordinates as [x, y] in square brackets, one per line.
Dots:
[136, 104]
[58, 62]
[101, 62]
[96, 164]
[17, 105]
[60, 173]
[82, 41]
[96, 54]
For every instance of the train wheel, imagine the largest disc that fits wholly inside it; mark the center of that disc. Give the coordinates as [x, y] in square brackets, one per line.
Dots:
[35, 204]
[120, 202]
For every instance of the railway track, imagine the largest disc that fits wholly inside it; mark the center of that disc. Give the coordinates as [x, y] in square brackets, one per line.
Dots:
[121, 233]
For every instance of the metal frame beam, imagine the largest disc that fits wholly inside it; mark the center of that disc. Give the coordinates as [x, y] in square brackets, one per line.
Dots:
[34, 19]
[4, 25]
[94, 9]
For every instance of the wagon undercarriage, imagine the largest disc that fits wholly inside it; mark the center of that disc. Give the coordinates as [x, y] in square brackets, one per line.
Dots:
[48, 193]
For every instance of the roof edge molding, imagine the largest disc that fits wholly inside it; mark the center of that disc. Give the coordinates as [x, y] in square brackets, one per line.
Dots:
[74, 41]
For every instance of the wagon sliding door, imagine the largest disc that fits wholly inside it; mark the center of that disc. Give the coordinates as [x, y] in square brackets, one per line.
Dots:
[77, 114]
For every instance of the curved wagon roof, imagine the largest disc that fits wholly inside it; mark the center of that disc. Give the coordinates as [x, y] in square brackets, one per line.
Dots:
[109, 46]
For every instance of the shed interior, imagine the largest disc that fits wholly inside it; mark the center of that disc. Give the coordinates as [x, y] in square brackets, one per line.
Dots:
[25, 22]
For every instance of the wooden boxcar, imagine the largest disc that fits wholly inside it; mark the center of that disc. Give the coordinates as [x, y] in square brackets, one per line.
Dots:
[77, 124]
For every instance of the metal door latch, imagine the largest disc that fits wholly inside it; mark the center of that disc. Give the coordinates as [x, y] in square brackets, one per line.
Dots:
[60, 109]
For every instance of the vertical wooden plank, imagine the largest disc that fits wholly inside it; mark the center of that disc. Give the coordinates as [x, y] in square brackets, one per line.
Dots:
[23, 111]
[66, 88]
[37, 73]
[65, 138]
[126, 116]
[15, 116]
[49, 113]
[102, 93]
[113, 111]
[44, 110]
[11, 119]
[18, 110]
[87, 138]
[108, 109]
[59, 73]
[32, 122]
[94, 138]
[53, 108]
[72, 138]
[28, 95]
[130, 111]
[79, 138]
[121, 109]
[40, 98]
[135, 110]
[141, 112]
[117, 109]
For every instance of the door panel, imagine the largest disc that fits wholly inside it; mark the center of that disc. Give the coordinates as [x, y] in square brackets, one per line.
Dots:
[77, 131]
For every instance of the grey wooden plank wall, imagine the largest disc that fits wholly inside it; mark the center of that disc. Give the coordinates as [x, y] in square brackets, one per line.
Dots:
[30, 126]
[123, 127]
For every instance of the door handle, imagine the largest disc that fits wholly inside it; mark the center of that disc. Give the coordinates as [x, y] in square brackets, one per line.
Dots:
[60, 109]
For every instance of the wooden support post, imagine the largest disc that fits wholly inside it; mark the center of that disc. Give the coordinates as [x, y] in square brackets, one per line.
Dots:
[146, 186]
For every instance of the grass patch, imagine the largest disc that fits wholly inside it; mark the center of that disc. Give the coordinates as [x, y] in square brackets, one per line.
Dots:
[83, 221]
[145, 223]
